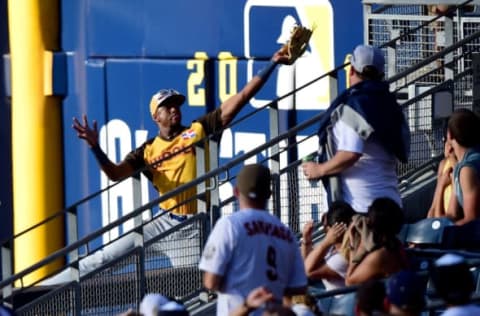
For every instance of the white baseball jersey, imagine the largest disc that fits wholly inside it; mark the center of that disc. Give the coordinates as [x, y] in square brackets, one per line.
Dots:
[252, 248]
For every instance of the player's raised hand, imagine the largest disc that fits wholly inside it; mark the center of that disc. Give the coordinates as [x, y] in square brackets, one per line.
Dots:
[90, 135]
[295, 47]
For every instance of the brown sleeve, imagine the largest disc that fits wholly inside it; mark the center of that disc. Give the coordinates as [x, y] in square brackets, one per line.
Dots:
[136, 159]
[211, 122]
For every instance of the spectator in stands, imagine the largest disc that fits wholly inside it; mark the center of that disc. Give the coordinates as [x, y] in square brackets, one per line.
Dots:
[406, 293]
[371, 245]
[454, 283]
[365, 132]
[463, 134]
[443, 190]
[438, 9]
[325, 262]
[251, 248]
[158, 305]
[370, 299]
[167, 159]
[262, 299]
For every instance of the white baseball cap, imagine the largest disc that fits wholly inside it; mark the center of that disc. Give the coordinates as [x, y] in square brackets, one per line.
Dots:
[153, 304]
[366, 55]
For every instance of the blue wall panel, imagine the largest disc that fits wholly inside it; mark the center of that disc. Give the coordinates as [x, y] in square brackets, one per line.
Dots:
[82, 173]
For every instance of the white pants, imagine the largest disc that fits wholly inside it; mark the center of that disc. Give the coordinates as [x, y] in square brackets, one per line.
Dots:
[181, 248]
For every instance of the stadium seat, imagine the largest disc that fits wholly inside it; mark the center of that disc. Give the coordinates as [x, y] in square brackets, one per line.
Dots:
[427, 232]
[466, 237]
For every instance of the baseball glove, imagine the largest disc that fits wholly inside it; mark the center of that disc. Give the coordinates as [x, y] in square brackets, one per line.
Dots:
[298, 42]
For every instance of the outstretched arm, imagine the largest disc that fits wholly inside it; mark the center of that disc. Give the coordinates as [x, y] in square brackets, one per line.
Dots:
[113, 171]
[235, 103]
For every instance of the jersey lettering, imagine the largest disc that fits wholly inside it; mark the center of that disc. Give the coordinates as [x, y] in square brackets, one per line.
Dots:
[260, 227]
[180, 150]
[272, 274]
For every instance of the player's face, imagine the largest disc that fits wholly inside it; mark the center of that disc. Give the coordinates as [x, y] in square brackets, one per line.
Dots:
[169, 115]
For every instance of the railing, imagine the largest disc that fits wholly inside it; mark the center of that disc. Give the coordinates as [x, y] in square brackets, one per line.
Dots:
[295, 199]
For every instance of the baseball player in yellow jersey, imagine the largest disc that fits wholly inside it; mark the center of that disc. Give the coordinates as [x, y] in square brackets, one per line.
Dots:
[168, 170]
[173, 137]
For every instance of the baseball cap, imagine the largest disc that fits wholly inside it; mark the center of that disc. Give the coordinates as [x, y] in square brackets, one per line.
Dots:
[253, 181]
[452, 279]
[366, 55]
[164, 95]
[449, 259]
[155, 304]
[406, 290]
[302, 310]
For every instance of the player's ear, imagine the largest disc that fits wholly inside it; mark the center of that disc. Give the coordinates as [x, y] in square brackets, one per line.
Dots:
[155, 116]
[236, 192]
[351, 71]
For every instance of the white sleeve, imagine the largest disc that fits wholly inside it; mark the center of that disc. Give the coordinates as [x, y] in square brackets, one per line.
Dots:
[219, 248]
[347, 139]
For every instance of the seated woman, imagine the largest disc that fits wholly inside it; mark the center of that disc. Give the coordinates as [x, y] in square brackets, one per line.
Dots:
[443, 190]
[371, 245]
[324, 262]
[463, 133]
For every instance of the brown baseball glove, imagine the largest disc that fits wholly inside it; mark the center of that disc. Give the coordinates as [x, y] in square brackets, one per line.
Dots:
[298, 42]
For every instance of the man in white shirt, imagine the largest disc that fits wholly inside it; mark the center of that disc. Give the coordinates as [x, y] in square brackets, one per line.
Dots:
[251, 248]
[365, 133]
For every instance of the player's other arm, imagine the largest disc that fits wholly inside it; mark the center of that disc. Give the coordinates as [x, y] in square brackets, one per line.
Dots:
[113, 171]
[212, 281]
[235, 103]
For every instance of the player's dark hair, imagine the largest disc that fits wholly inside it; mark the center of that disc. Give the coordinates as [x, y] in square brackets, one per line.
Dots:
[464, 127]
[370, 73]
[385, 219]
[453, 283]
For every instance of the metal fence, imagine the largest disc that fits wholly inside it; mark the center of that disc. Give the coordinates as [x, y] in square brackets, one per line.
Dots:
[428, 63]
[121, 283]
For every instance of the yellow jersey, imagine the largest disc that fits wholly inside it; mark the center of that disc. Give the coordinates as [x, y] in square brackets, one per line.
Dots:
[169, 164]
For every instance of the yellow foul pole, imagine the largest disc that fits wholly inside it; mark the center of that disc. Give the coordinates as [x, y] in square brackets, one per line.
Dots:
[36, 133]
